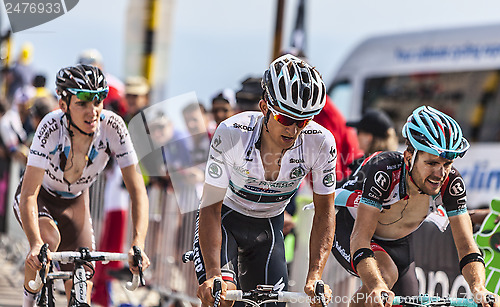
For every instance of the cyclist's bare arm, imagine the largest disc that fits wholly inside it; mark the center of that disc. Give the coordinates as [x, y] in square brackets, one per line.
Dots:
[363, 231]
[210, 238]
[473, 272]
[28, 207]
[140, 211]
[321, 240]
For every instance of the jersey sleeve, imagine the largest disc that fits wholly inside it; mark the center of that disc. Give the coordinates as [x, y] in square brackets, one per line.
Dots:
[120, 142]
[217, 172]
[323, 170]
[377, 179]
[45, 141]
[454, 194]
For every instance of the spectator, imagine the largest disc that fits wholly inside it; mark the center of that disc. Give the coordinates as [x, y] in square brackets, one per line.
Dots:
[40, 107]
[375, 133]
[115, 100]
[248, 97]
[136, 94]
[223, 105]
[21, 73]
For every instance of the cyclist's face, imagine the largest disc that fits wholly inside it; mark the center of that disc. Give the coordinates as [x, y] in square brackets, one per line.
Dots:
[429, 171]
[85, 114]
[283, 136]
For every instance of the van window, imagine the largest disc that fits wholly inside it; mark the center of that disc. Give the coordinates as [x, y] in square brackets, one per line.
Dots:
[470, 97]
[341, 95]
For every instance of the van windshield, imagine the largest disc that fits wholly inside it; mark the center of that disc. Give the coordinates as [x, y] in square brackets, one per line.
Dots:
[470, 97]
[341, 95]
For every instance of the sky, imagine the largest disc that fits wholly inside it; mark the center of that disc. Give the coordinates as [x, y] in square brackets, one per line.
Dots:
[217, 44]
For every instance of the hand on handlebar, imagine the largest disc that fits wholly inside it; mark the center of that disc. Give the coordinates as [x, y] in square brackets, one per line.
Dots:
[486, 298]
[206, 292]
[319, 292]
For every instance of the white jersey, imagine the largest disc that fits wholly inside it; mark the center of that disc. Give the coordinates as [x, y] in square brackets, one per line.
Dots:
[235, 163]
[52, 144]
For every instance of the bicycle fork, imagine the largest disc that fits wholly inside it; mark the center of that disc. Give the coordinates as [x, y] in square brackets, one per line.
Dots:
[80, 283]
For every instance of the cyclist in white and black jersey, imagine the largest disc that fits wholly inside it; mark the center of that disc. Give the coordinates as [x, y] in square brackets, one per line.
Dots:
[256, 163]
[70, 148]
[388, 198]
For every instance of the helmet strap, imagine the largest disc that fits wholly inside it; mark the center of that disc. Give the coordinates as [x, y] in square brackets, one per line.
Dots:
[409, 168]
[70, 120]
[266, 119]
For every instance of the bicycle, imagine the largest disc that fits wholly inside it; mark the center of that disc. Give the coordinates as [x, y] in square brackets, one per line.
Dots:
[427, 300]
[264, 294]
[83, 258]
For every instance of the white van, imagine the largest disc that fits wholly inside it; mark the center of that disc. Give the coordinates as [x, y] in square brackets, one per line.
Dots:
[456, 71]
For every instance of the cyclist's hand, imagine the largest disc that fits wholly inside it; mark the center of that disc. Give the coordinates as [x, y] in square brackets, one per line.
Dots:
[484, 297]
[379, 297]
[145, 261]
[309, 290]
[32, 261]
[204, 292]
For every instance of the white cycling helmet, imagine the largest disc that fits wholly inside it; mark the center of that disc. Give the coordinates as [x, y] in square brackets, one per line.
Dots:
[294, 86]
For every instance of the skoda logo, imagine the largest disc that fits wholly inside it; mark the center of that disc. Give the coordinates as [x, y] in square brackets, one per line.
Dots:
[214, 170]
[297, 172]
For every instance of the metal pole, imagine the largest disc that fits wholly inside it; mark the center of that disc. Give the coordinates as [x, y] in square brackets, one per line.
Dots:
[278, 29]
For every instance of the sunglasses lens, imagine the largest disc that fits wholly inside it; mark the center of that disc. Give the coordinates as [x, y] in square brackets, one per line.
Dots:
[91, 95]
[449, 155]
[285, 121]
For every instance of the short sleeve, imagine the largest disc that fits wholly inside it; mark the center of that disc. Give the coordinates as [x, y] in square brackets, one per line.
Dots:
[45, 141]
[120, 142]
[323, 170]
[219, 162]
[454, 194]
[376, 180]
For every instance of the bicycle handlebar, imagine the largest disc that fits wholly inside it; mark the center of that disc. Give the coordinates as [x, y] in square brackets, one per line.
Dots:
[65, 257]
[280, 296]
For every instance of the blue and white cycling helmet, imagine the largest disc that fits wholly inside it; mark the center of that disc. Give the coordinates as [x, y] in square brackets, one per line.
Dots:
[294, 86]
[432, 131]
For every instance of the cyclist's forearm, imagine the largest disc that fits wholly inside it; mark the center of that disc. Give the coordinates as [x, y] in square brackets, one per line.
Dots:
[210, 238]
[322, 233]
[474, 274]
[29, 217]
[140, 220]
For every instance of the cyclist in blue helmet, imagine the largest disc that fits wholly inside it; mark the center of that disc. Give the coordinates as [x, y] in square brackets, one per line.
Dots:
[389, 196]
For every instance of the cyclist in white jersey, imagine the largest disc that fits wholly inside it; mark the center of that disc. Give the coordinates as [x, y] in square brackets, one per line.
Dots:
[70, 148]
[256, 163]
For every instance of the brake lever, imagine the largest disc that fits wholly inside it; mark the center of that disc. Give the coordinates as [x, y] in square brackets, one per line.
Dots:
[138, 263]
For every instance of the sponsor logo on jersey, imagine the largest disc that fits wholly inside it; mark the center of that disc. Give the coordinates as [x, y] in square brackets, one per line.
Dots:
[257, 189]
[87, 179]
[243, 127]
[382, 180]
[215, 143]
[292, 160]
[312, 131]
[121, 155]
[377, 193]
[271, 184]
[457, 187]
[101, 145]
[119, 127]
[214, 170]
[328, 170]
[46, 131]
[329, 180]
[216, 160]
[52, 176]
[241, 170]
[297, 172]
[333, 154]
[37, 153]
